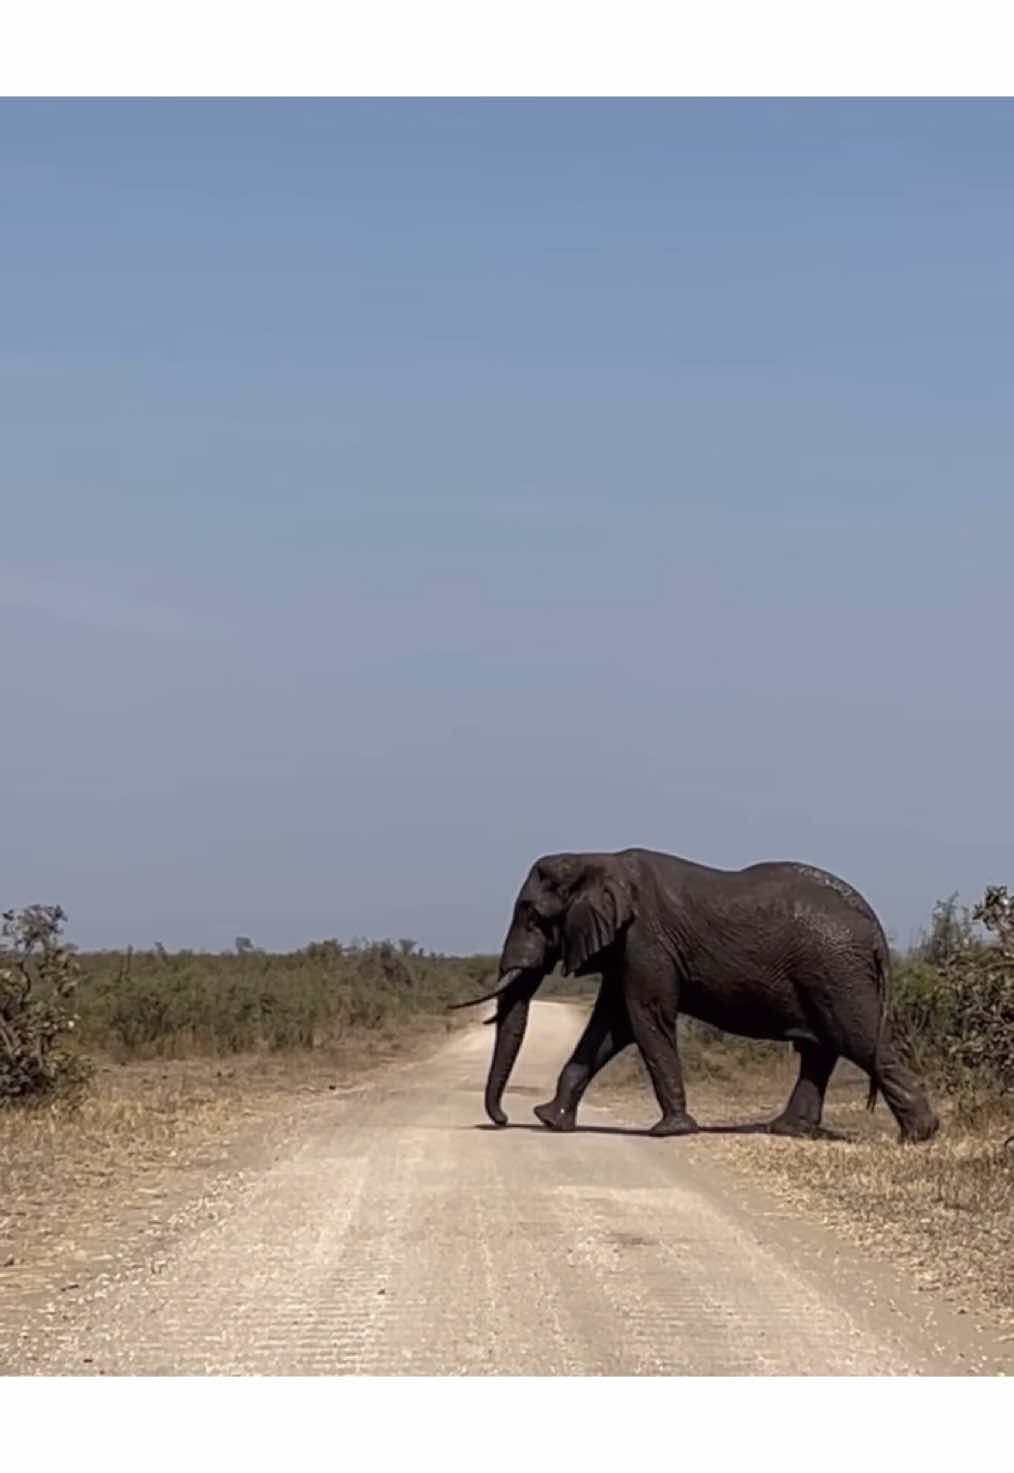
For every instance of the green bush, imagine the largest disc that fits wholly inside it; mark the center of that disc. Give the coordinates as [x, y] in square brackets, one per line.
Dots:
[38, 976]
[952, 998]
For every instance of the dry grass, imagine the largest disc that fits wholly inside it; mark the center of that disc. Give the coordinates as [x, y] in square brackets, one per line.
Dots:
[944, 1211]
[146, 1136]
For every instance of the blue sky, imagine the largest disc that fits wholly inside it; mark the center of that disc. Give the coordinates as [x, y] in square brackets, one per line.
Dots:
[394, 491]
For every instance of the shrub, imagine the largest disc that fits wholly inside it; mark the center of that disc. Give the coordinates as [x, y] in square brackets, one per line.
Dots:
[38, 976]
[952, 998]
[139, 1004]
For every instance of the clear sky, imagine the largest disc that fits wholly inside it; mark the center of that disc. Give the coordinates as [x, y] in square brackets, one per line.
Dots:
[395, 491]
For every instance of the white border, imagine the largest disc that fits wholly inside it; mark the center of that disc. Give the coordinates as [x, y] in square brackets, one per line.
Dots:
[504, 1425]
[529, 47]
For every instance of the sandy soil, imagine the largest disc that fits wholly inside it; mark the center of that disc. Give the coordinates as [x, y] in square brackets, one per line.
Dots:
[387, 1229]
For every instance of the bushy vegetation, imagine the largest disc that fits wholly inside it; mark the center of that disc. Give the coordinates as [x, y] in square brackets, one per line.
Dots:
[38, 977]
[143, 1004]
[146, 1003]
[952, 999]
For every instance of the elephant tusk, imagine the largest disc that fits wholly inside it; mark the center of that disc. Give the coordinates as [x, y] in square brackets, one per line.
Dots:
[502, 985]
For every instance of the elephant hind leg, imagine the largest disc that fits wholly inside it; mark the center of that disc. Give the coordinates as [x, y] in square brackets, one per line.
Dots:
[905, 1096]
[801, 1116]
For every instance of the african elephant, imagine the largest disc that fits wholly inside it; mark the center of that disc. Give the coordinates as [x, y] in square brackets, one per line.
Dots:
[778, 950]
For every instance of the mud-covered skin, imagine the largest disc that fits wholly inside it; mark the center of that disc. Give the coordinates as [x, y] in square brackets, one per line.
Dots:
[779, 950]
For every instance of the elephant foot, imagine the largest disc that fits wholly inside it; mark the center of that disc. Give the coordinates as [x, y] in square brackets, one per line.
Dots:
[792, 1125]
[921, 1129]
[675, 1125]
[555, 1118]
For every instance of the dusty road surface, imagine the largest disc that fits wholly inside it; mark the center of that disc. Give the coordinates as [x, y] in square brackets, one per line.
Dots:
[397, 1234]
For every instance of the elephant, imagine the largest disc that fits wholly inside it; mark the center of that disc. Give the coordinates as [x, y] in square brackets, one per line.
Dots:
[777, 950]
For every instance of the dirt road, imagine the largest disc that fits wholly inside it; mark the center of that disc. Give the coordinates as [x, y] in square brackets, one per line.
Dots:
[395, 1234]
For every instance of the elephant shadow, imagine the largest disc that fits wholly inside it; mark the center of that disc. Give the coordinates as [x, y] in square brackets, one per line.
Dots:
[758, 1127]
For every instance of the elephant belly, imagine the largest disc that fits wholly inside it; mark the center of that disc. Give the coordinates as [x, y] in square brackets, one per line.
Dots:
[754, 1010]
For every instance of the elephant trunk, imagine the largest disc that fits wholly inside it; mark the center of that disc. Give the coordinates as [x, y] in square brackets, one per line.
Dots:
[511, 1018]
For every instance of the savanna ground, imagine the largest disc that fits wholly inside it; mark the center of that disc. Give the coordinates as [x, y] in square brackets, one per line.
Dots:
[148, 1135]
[194, 1056]
[200, 1059]
[942, 1211]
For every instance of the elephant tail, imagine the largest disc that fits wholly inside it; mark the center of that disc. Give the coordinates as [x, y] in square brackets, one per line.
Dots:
[882, 963]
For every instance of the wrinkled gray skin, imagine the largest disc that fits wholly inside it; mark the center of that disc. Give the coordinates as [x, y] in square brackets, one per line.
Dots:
[777, 950]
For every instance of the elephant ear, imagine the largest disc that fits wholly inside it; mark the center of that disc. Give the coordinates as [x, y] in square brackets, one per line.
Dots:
[595, 917]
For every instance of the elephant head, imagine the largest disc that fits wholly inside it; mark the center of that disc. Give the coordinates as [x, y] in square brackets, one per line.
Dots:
[571, 909]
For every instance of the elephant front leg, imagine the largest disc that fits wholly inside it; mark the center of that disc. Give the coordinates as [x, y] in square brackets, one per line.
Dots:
[607, 1033]
[653, 1019]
